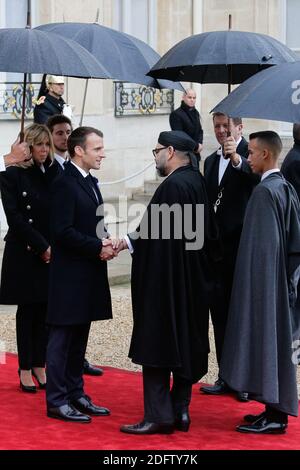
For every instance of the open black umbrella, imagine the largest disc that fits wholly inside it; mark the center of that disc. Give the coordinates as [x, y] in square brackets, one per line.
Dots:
[270, 94]
[126, 57]
[25, 50]
[221, 57]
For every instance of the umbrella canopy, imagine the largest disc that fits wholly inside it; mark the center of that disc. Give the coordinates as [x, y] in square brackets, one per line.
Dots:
[221, 57]
[270, 94]
[125, 57]
[25, 50]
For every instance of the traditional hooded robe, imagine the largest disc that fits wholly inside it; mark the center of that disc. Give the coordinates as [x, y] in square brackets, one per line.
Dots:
[171, 284]
[258, 355]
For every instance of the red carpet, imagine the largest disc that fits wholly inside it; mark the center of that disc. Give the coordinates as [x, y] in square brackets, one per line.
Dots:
[24, 424]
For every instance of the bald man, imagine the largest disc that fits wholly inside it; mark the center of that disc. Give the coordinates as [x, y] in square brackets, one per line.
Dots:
[186, 118]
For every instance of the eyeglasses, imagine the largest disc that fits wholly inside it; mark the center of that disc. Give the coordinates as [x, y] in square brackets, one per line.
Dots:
[155, 151]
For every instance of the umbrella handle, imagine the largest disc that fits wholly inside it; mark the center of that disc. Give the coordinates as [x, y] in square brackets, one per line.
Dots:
[23, 108]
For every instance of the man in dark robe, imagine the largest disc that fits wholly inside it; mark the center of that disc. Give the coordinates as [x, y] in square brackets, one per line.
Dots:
[257, 354]
[171, 284]
[290, 169]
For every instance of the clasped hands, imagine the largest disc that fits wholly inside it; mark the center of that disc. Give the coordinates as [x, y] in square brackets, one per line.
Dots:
[111, 247]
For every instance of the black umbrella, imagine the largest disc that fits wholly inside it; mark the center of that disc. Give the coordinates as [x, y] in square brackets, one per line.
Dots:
[25, 50]
[221, 57]
[125, 57]
[270, 94]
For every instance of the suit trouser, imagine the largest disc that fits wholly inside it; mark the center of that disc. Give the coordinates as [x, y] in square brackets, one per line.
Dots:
[220, 303]
[65, 356]
[160, 403]
[31, 335]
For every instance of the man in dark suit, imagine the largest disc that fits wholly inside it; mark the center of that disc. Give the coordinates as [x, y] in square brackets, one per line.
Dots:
[186, 118]
[78, 291]
[290, 167]
[230, 182]
[60, 127]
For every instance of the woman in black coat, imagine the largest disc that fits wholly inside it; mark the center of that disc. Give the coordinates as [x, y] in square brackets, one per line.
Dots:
[24, 280]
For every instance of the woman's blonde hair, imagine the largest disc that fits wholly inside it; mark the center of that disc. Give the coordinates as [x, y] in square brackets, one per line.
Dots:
[34, 135]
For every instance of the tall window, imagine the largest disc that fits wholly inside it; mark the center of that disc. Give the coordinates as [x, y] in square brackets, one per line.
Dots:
[292, 25]
[137, 17]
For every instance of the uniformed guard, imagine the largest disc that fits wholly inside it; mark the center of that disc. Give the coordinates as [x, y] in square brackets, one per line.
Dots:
[52, 102]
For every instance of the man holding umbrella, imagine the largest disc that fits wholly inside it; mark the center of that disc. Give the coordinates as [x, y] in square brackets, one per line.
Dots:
[230, 182]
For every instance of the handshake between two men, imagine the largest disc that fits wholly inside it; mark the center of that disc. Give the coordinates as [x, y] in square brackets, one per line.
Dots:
[111, 247]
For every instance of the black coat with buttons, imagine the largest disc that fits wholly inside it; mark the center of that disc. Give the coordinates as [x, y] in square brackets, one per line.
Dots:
[25, 198]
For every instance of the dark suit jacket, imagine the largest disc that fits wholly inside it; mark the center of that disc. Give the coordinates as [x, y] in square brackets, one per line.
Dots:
[188, 120]
[25, 196]
[290, 167]
[237, 187]
[78, 287]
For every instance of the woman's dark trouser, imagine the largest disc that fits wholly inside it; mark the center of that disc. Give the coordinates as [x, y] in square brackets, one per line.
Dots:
[31, 335]
[161, 405]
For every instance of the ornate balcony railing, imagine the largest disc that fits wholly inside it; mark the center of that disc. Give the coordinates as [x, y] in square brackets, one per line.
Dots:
[137, 100]
[130, 100]
[11, 94]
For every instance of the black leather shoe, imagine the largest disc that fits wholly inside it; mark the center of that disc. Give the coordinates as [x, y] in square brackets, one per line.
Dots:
[183, 421]
[263, 426]
[68, 413]
[252, 418]
[88, 369]
[146, 427]
[85, 405]
[242, 396]
[219, 388]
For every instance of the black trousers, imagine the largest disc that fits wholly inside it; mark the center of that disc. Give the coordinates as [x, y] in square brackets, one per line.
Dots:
[31, 335]
[160, 403]
[219, 307]
[275, 415]
[65, 355]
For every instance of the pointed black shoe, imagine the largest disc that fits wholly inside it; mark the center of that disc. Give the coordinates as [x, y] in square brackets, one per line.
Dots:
[263, 426]
[88, 369]
[26, 388]
[42, 385]
[85, 405]
[242, 396]
[145, 427]
[68, 413]
[219, 388]
[183, 421]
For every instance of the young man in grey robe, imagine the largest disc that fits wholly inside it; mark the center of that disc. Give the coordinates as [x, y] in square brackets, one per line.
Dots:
[258, 350]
